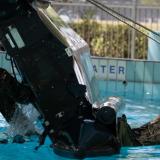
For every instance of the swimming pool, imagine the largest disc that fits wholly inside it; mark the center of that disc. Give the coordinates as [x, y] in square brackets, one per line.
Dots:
[138, 111]
[142, 105]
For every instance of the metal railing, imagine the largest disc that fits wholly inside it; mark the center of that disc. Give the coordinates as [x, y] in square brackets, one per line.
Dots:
[108, 36]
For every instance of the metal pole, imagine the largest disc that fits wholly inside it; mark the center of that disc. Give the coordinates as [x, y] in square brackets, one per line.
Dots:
[133, 38]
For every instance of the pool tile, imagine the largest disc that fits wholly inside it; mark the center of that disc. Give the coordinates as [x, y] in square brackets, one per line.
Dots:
[148, 90]
[96, 67]
[139, 89]
[156, 91]
[148, 72]
[103, 69]
[112, 64]
[121, 70]
[130, 73]
[156, 77]
[139, 71]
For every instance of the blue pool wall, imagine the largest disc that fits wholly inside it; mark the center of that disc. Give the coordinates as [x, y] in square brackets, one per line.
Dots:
[123, 77]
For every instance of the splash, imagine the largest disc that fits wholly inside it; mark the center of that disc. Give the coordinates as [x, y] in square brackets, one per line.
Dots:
[24, 121]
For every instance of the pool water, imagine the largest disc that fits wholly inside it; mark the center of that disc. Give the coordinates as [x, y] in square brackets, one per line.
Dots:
[26, 152]
[138, 112]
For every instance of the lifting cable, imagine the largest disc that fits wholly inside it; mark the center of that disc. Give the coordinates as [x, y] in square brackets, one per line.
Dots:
[128, 21]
